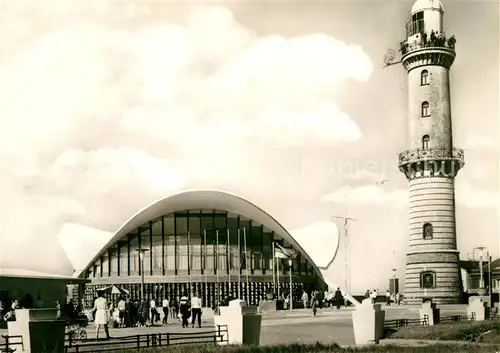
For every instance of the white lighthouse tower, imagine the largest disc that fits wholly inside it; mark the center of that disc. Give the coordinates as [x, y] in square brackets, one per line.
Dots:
[431, 162]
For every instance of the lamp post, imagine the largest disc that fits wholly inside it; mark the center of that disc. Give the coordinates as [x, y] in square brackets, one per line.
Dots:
[141, 252]
[482, 290]
[395, 288]
[291, 292]
[481, 249]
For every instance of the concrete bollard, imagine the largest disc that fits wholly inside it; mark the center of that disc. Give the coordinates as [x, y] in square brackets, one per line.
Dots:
[429, 312]
[267, 306]
[40, 330]
[242, 321]
[478, 309]
[368, 321]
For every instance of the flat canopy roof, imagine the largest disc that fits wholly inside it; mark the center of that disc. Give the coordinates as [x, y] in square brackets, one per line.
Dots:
[19, 273]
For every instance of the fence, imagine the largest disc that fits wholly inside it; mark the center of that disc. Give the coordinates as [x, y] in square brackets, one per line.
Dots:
[456, 319]
[12, 343]
[137, 342]
[396, 323]
[392, 324]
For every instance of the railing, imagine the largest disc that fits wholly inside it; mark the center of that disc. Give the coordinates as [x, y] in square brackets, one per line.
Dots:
[396, 323]
[11, 343]
[425, 40]
[430, 153]
[147, 341]
[456, 319]
[220, 334]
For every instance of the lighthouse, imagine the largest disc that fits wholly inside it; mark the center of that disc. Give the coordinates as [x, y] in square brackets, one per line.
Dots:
[431, 162]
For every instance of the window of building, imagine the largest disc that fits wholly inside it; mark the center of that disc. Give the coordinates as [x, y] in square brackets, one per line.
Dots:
[427, 279]
[425, 109]
[427, 231]
[424, 78]
[425, 142]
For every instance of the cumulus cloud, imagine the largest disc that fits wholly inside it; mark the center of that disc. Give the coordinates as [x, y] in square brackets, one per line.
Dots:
[373, 194]
[106, 106]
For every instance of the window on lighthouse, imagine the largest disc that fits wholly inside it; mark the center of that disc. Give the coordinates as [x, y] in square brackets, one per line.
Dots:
[424, 78]
[426, 111]
[425, 142]
[427, 230]
[427, 279]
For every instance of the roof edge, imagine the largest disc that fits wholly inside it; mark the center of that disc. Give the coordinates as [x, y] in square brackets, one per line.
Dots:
[126, 224]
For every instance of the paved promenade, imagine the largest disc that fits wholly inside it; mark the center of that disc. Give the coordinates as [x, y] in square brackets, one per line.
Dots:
[297, 326]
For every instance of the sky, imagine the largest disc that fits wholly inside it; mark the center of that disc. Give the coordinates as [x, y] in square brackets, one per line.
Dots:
[106, 107]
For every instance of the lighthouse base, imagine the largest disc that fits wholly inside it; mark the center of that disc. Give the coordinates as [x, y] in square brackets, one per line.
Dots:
[439, 282]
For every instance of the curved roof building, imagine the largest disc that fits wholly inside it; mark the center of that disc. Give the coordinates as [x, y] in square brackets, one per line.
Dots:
[205, 241]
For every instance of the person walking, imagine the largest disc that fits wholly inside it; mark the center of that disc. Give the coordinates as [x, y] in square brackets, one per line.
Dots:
[305, 299]
[152, 311]
[129, 313]
[101, 314]
[338, 298]
[368, 294]
[165, 306]
[314, 304]
[122, 307]
[184, 309]
[196, 310]
[388, 298]
[374, 296]
[174, 308]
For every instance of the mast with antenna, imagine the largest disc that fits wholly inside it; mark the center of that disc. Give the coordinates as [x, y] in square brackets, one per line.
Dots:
[347, 246]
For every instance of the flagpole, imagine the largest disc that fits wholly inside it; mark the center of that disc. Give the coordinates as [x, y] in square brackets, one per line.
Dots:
[217, 264]
[246, 263]
[205, 266]
[239, 265]
[274, 271]
[229, 264]
[278, 274]
[291, 283]
[189, 263]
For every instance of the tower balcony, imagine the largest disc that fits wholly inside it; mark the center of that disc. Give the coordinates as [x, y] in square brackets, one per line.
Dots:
[421, 162]
[423, 51]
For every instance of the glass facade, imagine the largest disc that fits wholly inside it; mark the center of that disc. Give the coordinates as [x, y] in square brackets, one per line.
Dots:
[209, 251]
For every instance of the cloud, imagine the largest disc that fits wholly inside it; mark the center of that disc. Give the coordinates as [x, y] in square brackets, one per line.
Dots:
[482, 142]
[367, 194]
[106, 106]
[110, 169]
[470, 197]
[372, 194]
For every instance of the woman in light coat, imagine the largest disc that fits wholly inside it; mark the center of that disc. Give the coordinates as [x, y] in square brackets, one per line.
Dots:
[101, 314]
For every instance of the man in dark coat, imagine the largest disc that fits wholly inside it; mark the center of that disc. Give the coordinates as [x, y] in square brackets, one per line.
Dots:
[185, 309]
[338, 298]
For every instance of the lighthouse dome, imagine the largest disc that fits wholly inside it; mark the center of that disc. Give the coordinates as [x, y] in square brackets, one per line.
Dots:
[421, 5]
